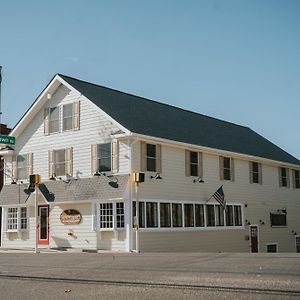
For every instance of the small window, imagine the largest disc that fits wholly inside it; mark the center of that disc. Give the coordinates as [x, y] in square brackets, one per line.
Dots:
[226, 168]
[141, 213]
[237, 215]
[53, 119]
[177, 214]
[152, 214]
[278, 220]
[23, 218]
[272, 248]
[151, 157]
[194, 163]
[219, 215]
[296, 175]
[59, 162]
[284, 177]
[255, 172]
[68, 117]
[188, 215]
[165, 215]
[104, 157]
[22, 171]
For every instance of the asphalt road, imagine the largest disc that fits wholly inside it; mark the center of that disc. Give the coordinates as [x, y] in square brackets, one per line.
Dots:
[149, 276]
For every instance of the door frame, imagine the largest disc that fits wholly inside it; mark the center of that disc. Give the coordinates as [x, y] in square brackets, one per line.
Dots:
[254, 225]
[43, 241]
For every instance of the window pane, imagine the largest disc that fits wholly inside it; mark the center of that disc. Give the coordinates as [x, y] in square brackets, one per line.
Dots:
[151, 164]
[227, 174]
[68, 110]
[199, 215]
[54, 119]
[194, 170]
[255, 167]
[194, 157]
[12, 218]
[104, 157]
[229, 215]
[297, 179]
[22, 167]
[177, 215]
[237, 215]
[188, 215]
[210, 215]
[59, 162]
[219, 215]
[67, 123]
[226, 163]
[141, 213]
[165, 215]
[278, 219]
[106, 215]
[152, 217]
[120, 214]
[151, 150]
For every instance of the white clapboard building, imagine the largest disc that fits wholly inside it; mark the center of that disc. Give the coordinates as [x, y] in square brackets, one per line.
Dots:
[87, 141]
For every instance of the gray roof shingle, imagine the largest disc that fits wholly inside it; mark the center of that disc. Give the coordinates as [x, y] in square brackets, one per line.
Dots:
[86, 189]
[147, 117]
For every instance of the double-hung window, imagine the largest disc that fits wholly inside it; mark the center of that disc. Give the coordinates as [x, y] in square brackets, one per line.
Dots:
[296, 179]
[53, 119]
[150, 157]
[22, 166]
[68, 117]
[226, 168]
[284, 177]
[16, 219]
[105, 157]
[60, 162]
[255, 172]
[193, 163]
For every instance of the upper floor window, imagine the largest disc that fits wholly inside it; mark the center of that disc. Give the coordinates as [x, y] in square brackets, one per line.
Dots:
[255, 172]
[193, 163]
[62, 118]
[296, 179]
[60, 162]
[22, 166]
[284, 177]
[226, 168]
[105, 157]
[151, 157]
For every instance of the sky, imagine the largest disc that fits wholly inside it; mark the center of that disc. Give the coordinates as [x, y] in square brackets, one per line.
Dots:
[234, 60]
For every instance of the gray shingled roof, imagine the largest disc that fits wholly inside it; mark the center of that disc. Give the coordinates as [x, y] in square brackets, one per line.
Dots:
[147, 117]
[87, 189]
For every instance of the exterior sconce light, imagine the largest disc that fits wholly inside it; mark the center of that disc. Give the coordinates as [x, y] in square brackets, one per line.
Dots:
[98, 173]
[247, 222]
[261, 222]
[156, 176]
[199, 179]
[53, 177]
[114, 182]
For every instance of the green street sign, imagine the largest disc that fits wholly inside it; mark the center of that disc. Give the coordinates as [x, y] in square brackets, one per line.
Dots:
[7, 140]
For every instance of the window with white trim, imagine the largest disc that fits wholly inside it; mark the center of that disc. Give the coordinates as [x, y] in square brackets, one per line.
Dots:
[16, 219]
[278, 220]
[111, 215]
[180, 215]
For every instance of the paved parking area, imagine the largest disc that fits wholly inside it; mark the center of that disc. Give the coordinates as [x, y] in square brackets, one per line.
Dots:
[56, 275]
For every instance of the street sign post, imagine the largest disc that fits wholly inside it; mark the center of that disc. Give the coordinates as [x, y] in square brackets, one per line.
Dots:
[7, 140]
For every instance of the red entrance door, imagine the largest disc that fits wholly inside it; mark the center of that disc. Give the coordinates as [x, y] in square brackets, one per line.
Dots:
[43, 219]
[254, 238]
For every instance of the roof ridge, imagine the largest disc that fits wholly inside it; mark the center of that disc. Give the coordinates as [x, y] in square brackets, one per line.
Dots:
[157, 102]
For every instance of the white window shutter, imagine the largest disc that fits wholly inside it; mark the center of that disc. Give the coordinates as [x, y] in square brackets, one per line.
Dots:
[250, 171]
[29, 164]
[94, 161]
[221, 166]
[14, 168]
[187, 163]
[51, 163]
[115, 156]
[158, 158]
[46, 121]
[232, 169]
[69, 161]
[200, 165]
[143, 156]
[76, 109]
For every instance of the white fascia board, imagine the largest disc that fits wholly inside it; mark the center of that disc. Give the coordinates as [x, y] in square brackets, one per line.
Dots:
[36, 106]
[126, 131]
[213, 151]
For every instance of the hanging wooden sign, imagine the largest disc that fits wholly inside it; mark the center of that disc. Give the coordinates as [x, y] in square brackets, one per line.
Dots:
[70, 217]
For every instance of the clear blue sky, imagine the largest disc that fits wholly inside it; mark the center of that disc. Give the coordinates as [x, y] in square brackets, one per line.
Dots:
[234, 60]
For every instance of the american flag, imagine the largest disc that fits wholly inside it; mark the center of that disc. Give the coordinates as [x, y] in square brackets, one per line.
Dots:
[220, 197]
